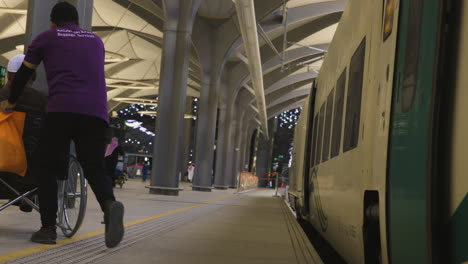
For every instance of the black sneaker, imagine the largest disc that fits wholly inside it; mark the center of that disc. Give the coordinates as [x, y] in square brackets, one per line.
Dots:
[45, 235]
[113, 219]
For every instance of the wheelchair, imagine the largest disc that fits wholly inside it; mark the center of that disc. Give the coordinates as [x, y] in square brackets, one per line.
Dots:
[72, 189]
[121, 179]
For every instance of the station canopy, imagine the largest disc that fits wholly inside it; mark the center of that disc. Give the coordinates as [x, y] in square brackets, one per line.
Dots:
[132, 33]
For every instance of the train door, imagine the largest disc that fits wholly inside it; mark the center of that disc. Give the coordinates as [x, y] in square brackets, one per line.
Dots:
[308, 150]
[411, 160]
[450, 201]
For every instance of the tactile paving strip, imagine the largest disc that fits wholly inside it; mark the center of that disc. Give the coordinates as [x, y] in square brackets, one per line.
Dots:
[93, 249]
[303, 249]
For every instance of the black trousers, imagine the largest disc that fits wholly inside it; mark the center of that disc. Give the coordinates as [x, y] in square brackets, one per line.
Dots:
[88, 134]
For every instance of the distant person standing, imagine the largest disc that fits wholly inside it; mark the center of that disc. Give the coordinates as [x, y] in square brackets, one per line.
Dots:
[76, 110]
[113, 152]
[138, 169]
[145, 171]
[191, 171]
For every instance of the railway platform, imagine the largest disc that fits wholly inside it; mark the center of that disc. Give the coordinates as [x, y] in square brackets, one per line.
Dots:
[195, 227]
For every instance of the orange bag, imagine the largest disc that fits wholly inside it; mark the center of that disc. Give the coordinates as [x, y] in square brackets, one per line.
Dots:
[12, 153]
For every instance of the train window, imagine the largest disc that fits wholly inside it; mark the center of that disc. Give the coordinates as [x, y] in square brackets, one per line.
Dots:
[328, 121]
[318, 152]
[314, 143]
[412, 55]
[338, 115]
[390, 6]
[353, 102]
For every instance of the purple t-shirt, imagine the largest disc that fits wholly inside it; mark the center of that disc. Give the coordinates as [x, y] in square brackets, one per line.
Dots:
[74, 64]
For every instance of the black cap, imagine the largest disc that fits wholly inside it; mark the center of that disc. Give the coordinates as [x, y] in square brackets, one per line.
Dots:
[64, 12]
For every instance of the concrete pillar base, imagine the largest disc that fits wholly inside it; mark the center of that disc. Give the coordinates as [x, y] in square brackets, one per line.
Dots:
[232, 187]
[220, 187]
[164, 190]
[201, 189]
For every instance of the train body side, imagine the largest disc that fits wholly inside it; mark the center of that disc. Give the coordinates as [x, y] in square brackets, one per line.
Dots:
[387, 127]
[339, 180]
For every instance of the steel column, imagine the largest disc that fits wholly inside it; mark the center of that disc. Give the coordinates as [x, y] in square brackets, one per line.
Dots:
[238, 150]
[177, 42]
[187, 137]
[206, 129]
[221, 148]
[231, 128]
[264, 154]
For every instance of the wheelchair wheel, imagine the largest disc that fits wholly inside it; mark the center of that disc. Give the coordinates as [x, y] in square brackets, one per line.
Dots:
[72, 199]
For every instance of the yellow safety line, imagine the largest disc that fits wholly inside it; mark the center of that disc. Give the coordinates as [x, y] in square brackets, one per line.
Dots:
[66, 241]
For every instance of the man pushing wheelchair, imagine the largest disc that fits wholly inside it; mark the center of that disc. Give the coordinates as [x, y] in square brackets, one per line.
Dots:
[76, 111]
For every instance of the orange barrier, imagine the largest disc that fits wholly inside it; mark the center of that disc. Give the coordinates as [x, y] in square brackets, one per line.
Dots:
[266, 173]
[246, 181]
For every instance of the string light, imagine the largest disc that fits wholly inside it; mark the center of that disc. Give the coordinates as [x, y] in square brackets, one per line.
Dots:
[288, 119]
[139, 113]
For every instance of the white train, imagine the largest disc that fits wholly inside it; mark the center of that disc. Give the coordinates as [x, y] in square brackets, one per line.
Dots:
[380, 164]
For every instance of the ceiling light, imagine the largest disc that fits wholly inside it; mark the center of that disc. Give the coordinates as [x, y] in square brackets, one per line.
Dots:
[133, 123]
[154, 113]
[140, 101]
